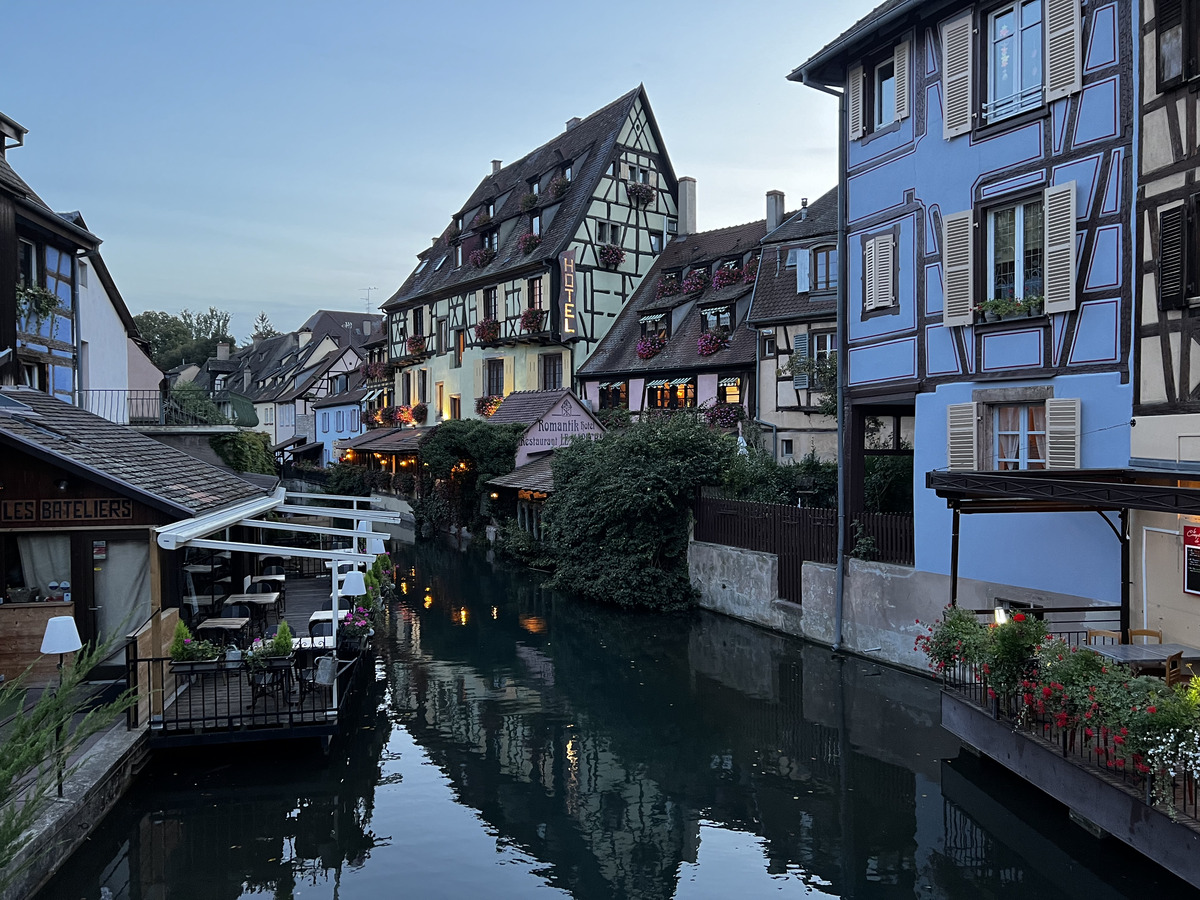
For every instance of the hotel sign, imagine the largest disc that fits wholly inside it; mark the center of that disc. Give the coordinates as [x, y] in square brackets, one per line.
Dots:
[45, 512]
[566, 294]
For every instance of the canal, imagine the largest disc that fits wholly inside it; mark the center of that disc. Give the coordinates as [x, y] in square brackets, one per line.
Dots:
[517, 744]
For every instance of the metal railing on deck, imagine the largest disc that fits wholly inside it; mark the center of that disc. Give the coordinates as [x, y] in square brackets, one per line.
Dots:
[178, 406]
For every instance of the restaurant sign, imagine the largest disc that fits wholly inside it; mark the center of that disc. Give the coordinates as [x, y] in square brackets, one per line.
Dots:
[567, 420]
[65, 512]
[566, 294]
[1191, 561]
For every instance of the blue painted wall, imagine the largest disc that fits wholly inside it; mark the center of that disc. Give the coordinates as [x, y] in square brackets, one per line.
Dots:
[328, 432]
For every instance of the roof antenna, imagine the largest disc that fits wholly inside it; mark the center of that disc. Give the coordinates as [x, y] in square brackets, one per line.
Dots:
[367, 299]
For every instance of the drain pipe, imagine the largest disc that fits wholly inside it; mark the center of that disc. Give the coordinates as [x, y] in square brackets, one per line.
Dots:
[774, 437]
[840, 584]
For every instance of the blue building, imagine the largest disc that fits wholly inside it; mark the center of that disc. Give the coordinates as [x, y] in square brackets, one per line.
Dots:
[988, 164]
[339, 416]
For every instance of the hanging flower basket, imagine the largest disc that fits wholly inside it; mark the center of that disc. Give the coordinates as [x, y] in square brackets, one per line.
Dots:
[610, 255]
[710, 342]
[558, 186]
[695, 281]
[724, 415]
[487, 331]
[486, 406]
[726, 276]
[668, 286]
[651, 345]
[420, 412]
[481, 257]
[750, 271]
[415, 344]
[532, 318]
[639, 194]
[528, 202]
[529, 242]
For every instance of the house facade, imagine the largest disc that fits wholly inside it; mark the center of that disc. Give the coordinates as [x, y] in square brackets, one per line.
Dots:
[989, 175]
[527, 278]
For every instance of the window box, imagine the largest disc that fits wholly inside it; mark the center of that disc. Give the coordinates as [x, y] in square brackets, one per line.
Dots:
[486, 406]
[529, 242]
[610, 256]
[487, 331]
[639, 194]
[711, 342]
[482, 256]
[650, 345]
[668, 286]
[415, 345]
[558, 186]
[529, 202]
[532, 319]
[695, 282]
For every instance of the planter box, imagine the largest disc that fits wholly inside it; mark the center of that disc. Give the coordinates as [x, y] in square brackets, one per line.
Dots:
[194, 666]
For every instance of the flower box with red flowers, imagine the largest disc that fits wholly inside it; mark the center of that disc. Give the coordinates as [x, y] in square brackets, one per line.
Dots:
[695, 281]
[651, 345]
[668, 286]
[532, 319]
[726, 275]
[711, 341]
[529, 242]
[486, 406]
[610, 255]
[415, 344]
[481, 257]
[487, 331]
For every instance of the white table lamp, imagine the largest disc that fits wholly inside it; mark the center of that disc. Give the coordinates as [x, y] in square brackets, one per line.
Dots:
[354, 585]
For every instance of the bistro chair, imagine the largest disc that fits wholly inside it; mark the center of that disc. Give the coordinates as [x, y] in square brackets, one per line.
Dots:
[320, 629]
[1098, 636]
[318, 677]
[1174, 672]
[1144, 633]
[273, 570]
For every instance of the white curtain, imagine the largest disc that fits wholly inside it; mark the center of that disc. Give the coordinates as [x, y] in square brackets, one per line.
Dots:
[122, 583]
[44, 558]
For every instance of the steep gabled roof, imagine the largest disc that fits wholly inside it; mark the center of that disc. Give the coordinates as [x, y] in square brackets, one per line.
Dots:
[589, 146]
[526, 407]
[869, 26]
[77, 440]
[775, 296]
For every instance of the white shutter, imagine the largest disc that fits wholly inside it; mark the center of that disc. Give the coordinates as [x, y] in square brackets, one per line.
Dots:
[900, 67]
[1062, 433]
[1064, 49]
[624, 171]
[957, 96]
[652, 180]
[1060, 247]
[962, 437]
[854, 90]
[479, 378]
[958, 281]
[510, 374]
[885, 271]
[869, 275]
[803, 283]
[800, 345]
[532, 383]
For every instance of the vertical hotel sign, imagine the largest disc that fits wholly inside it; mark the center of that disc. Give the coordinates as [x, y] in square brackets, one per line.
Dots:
[566, 294]
[1191, 557]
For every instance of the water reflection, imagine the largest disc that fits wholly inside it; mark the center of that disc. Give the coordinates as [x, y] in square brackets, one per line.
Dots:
[517, 743]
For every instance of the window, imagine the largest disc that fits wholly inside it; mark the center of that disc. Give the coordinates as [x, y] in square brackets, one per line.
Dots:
[1178, 254]
[457, 256]
[608, 233]
[83, 274]
[269, 415]
[422, 385]
[341, 421]
[656, 242]
[354, 419]
[655, 323]
[885, 93]
[490, 208]
[639, 174]
[533, 185]
[567, 170]
[1029, 252]
[418, 321]
[34, 375]
[455, 406]
[879, 271]
[551, 371]
[768, 345]
[614, 395]
[718, 317]
[443, 336]
[491, 241]
[1178, 35]
[535, 293]
[1014, 60]
[824, 345]
[26, 265]
[406, 389]
[793, 257]
[1016, 428]
[679, 393]
[825, 269]
[535, 223]
[729, 390]
[441, 399]
[494, 386]
[460, 346]
[1031, 55]
[489, 303]
[878, 92]
[786, 447]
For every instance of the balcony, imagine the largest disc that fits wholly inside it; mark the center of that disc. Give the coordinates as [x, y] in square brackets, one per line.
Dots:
[180, 406]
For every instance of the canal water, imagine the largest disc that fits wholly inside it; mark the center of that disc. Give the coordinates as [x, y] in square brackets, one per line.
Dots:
[517, 744]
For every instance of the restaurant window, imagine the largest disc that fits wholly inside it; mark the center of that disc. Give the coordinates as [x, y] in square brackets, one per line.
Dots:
[614, 395]
[551, 365]
[729, 390]
[495, 378]
[679, 393]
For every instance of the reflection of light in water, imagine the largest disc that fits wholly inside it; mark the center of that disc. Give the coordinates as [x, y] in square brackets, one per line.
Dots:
[404, 587]
[572, 776]
[495, 613]
[462, 616]
[533, 624]
[428, 601]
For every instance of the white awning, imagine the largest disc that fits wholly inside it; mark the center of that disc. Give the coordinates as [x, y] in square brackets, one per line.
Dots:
[658, 384]
[651, 317]
[372, 395]
[728, 382]
[680, 382]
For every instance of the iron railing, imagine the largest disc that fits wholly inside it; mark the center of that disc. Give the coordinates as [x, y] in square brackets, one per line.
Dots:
[179, 406]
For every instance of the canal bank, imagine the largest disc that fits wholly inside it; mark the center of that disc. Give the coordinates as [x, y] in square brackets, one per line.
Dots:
[516, 743]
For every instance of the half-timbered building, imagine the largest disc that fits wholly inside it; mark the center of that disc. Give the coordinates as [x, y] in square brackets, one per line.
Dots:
[988, 284]
[532, 270]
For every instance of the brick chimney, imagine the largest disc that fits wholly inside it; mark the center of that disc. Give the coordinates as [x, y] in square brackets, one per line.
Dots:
[687, 205]
[496, 166]
[774, 210]
[572, 122]
[222, 350]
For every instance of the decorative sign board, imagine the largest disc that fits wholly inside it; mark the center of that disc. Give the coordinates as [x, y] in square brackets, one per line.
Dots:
[1191, 558]
[566, 294]
[40, 512]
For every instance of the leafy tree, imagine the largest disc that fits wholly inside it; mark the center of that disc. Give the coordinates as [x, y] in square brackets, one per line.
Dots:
[463, 455]
[190, 337]
[822, 373]
[189, 405]
[263, 327]
[348, 479]
[618, 517]
[213, 323]
[162, 331]
[245, 451]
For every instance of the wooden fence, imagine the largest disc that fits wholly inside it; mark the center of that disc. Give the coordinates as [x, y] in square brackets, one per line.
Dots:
[797, 534]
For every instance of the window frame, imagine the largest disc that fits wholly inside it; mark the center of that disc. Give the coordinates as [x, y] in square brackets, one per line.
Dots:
[490, 301]
[616, 390]
[1189, 26]
[1178, 269]
[493, 376]
[550, 364]
[871, 245]
[1022, 104]
[534, 290]
[829, 253]
[988, 214]
[662, 397]
[455, 406]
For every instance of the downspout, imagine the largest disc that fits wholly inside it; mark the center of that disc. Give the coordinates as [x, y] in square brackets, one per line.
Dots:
[774, 434]
[840, 583]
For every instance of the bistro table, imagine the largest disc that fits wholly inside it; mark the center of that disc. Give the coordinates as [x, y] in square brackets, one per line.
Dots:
[1146, 656]
[230, 627]
[258, 603]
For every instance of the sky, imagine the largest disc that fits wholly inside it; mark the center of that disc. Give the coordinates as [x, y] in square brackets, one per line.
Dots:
[285, 156]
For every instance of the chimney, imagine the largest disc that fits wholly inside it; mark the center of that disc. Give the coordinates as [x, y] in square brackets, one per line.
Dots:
[803, 207]
[572, 122]
[495, 166]
[246, 379]
[303, 337]
[687, 206]
[222, 350]
[774, 210]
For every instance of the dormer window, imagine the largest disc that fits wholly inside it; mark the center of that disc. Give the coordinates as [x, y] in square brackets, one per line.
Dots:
[567, 171]
[655, 323]
[534, 184]
[491, 241]
[457, 257]
[718, 317]
[535, 223]
[490, 208]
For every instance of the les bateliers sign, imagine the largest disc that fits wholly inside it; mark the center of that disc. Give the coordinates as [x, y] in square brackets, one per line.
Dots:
[42, 512]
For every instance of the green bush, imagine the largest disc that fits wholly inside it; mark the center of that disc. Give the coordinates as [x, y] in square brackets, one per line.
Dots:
[245, 451]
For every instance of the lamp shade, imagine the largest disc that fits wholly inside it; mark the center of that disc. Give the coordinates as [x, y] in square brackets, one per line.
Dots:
[61, 636]
[354, 585]
[374, 541]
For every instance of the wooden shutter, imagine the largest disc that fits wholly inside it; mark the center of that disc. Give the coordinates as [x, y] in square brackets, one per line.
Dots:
[623, 171]
[869, 275]
[885, 271]
[1060, 247]
[803, 281]
[533, 381]
[510, 374]
[1062, 433]
[652, 180]
[958, 256]
[1172, 258]
[800, 345]
[957, 96]
[1064, 49]
[962, 437]
[900, 67]
[854, 90]
[479, 378]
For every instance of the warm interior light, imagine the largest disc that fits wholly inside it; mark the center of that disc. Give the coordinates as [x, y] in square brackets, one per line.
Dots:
[1001, 615]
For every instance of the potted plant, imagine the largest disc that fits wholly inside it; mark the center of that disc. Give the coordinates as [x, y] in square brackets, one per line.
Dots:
[487, 331]
[668, 286]
[354, 629]
[610, 255]
[190, 655]
[639, 194]
[528, 242]
[650, 345]
[558, 186]
[998, 308]
[1034, 305]
[528, 202]
[712, 341]
[726, 275]
[481, 257]
[695, 281]
[415, 344]
[35, 303]
[487, 405]
[532, 318]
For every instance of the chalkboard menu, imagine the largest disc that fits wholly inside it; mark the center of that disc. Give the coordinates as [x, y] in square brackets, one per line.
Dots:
[1191, 553]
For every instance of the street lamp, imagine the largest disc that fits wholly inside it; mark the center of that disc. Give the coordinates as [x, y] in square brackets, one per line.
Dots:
[61, 637]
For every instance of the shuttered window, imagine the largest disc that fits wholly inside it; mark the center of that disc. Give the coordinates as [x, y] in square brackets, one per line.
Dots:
[854, 90]
[1035, 434]
[877, 93]
[1062, 433]
[1060, 247]
[957, 95]
[1177, 34]
[800, 344]
[1064, 49]
[900, 58]
[879, 272]
[1172, 257]
[959, 269]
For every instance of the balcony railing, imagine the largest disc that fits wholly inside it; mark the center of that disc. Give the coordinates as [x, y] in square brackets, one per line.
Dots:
[177, 406]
